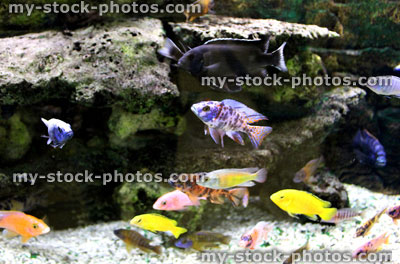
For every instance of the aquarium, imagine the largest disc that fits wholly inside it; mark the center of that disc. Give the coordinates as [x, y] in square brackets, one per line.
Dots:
[208, 131]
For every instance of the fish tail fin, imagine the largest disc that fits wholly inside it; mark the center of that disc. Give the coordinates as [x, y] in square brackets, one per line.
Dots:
[328, 213]
[257, 134]
[156, 249]
[171, 51]
[261, 175]
[386, 239]
[278, 58]
[178, 231]
[239, 195]
[226, 240]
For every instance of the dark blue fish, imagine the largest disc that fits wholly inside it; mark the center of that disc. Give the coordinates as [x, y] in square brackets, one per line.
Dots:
[368, 149]
[229, 58]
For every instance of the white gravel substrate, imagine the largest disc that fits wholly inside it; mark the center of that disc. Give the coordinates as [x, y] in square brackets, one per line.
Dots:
[97, 243]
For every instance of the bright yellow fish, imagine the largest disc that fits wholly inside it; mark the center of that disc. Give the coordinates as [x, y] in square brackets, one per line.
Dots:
[156, 222]
[301, 202]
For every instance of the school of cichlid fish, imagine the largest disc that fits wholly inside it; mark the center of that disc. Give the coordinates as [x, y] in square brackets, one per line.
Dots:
[224, 58]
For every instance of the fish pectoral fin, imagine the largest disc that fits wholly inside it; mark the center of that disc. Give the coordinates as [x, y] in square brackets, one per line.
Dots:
[312, 217]
[9, 234]
[235, 136]
[25, 239]
[192, 198]
[216, 135]
[216, 199]
[292, 215]
[246, 184]
[129, 247]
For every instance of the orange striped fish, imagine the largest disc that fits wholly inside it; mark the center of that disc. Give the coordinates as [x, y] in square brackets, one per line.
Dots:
[187, 183]
[18, 223]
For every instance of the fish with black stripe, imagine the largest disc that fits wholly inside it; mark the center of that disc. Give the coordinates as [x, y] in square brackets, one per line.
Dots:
[365, 228]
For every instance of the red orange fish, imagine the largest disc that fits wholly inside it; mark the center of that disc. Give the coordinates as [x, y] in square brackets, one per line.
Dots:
[198, 9]
[18, 223]
[187, 183]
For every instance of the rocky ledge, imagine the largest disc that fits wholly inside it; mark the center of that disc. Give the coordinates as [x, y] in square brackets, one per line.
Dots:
[115, 62]
[245, 28]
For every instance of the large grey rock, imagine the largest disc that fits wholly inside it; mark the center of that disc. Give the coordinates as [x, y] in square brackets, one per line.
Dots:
[229, 27]
[107, 63]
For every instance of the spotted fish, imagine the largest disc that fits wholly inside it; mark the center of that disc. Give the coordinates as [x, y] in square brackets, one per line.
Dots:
[231, 118]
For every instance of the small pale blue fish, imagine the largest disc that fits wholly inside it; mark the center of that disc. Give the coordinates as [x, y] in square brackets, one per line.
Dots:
[397, 68]
[387, 86]
[368, 149]
[231, 118]
[59, 132]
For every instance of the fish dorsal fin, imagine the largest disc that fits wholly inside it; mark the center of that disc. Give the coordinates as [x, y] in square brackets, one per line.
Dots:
[251, 115]
[325, 204]
[263, 44]
[164, 217]
[46, 122]
[366, 132]
[7, 213]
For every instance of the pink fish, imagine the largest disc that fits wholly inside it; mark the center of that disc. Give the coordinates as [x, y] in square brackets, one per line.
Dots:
[255, 236]
[371, 246]
[175, 201]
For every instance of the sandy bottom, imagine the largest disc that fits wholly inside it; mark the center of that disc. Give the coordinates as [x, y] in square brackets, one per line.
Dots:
[97, 243]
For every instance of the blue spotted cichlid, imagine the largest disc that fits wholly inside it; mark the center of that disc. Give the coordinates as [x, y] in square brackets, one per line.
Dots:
[368, 149]
[231, 118]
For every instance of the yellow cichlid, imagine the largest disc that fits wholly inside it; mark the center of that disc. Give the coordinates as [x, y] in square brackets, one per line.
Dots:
[228, 178]
[156, 222]
[301, 202]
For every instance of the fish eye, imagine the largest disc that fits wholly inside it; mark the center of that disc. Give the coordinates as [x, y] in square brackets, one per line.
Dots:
[164, 203]
[206, 108]
[206, 179]
[35, 226]
[282, 197]
[140, 220]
